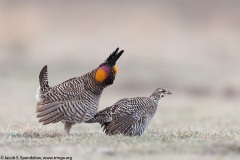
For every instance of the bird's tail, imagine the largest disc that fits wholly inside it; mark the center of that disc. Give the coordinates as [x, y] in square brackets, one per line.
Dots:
[96, 119]
[101, 117]
[43, 79]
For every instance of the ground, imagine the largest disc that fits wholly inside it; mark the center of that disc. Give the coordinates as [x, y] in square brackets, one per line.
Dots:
[181, 129]
[155, 144]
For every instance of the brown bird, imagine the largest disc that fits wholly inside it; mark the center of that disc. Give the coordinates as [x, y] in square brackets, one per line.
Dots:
[129, 116]
[77, 99]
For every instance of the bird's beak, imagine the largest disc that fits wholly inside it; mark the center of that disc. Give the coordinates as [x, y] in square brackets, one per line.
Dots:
[168, 92]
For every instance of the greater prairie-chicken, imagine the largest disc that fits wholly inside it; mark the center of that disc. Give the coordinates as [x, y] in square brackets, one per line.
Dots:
[77, 99]
[129, 116]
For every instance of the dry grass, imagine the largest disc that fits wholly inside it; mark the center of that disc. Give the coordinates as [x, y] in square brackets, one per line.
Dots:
[153, 144]
[183, 128]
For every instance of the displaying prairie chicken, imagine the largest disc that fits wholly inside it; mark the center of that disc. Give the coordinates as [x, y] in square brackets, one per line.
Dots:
[75, 100]
[129, 116]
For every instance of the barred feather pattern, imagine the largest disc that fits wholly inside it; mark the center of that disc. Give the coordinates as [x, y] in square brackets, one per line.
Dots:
[129, 116]
[71, 89]
[75, 100]
[78, 100]
[80, 111]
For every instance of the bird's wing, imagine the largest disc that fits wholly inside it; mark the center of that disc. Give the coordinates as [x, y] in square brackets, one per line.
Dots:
[128, 124]
[119, 108]
[128, 117]
[73, 111]
[50, 113]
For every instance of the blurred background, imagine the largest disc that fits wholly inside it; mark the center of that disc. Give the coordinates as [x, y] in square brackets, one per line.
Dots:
[192, 48]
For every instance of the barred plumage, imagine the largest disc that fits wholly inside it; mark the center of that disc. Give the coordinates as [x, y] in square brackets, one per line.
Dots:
[129, 116]
[75, 100]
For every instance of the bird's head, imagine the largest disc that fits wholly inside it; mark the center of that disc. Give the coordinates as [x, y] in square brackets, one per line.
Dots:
[107, 71]
[161, 92]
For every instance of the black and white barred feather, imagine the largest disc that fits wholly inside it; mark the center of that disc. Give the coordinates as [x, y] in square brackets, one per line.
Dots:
[129, 116]
[75, 100]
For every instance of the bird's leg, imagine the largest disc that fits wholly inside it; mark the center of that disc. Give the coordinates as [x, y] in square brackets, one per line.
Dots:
[67, 127]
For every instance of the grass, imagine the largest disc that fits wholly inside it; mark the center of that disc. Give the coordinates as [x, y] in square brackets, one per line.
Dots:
[152, 144]
[182, 128]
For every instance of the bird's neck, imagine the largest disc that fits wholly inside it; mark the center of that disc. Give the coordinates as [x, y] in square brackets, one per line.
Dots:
[155, 97]
[92, 85]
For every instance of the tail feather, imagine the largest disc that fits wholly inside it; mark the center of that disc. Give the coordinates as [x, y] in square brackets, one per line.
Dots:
[112, 59]
[43, 79]
[101, 116]
[98, 118]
